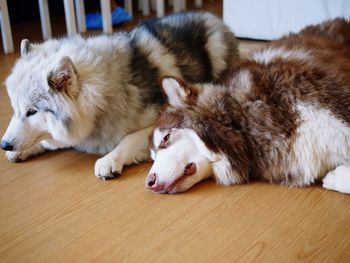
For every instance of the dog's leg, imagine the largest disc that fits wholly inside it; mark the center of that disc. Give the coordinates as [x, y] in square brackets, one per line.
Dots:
[132, 149]
[24, 155]
[338, 179]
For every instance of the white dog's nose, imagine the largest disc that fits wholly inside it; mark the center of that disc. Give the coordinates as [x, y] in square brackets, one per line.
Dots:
[151, 181]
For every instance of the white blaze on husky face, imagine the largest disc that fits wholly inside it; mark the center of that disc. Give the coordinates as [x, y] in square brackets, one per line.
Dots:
[180, 160]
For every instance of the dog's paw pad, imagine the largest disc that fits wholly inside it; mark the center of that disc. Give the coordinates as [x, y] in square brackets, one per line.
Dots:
[107, 168]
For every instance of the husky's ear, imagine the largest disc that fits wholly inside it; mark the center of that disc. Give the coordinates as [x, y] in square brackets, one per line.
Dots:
[25, 47]
[64, 78]
[176, 91]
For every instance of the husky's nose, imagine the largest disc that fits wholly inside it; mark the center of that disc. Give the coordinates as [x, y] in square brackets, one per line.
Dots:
[151, 181]
[6, 146]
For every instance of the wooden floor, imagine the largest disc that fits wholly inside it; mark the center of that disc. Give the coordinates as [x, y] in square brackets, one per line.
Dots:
[53, 209]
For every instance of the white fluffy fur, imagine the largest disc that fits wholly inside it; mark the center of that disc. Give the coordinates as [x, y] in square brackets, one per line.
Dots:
[93, 68]
[338, 180]
[319, 134]
[97, 76]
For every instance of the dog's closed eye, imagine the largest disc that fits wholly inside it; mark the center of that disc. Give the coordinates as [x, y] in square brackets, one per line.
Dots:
[30, 112]
[165, 142]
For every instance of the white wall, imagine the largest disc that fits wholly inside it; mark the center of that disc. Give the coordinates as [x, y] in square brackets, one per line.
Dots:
[270, 19]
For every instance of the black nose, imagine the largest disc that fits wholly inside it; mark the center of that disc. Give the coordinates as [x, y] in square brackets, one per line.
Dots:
[6, 146]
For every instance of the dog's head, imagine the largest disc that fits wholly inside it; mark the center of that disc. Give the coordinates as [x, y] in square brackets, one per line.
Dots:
[42, 90]
[192, 141]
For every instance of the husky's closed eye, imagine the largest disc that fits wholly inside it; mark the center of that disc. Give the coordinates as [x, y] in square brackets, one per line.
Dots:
[30, 112]
[165, 142]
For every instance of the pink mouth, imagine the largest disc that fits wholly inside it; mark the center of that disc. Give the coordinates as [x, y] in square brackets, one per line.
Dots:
[170, 188]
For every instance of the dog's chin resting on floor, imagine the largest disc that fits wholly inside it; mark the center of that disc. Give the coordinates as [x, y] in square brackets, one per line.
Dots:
[282, 115]
[101, 94]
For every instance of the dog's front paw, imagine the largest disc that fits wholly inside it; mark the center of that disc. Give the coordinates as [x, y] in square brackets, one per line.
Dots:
[107, 168]
[19, 156]
[338, 180]
[16, 156]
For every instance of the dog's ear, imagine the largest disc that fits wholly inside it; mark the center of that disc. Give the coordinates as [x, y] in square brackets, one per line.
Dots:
[64, 77]
[25, 47]
[177, 92]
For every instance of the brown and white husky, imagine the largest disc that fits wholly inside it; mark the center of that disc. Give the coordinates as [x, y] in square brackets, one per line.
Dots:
[281, 115]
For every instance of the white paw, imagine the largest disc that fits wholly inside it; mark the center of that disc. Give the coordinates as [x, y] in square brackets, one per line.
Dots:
[16, 156]
[338, 180]
[107, 168]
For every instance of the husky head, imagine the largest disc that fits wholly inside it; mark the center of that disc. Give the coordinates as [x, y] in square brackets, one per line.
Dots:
[43, 90]
[194, 139]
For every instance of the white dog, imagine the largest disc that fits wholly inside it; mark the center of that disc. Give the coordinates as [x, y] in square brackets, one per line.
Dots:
[282, 115]
[102, 94]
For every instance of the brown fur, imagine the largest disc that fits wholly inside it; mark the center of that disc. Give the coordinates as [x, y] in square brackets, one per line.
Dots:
[337, 30]
[256, 127]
